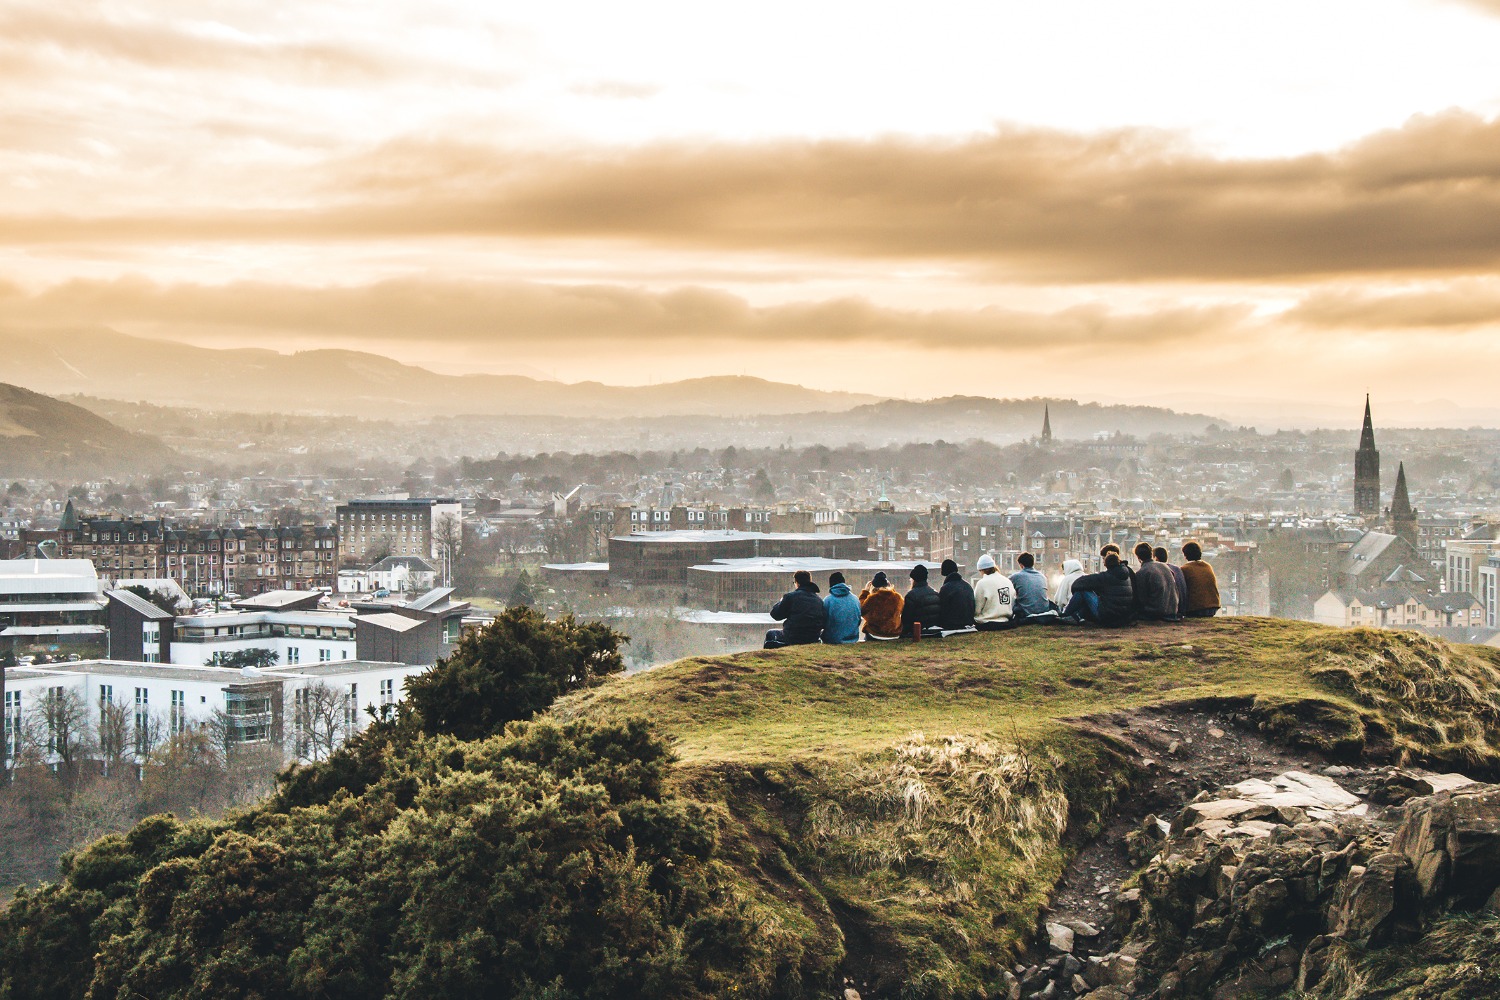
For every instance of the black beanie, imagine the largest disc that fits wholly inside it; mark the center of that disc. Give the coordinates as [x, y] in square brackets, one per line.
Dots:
[919, 573]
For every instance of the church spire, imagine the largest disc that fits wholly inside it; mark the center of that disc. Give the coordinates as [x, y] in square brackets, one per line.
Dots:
[1367, 435]
[1046, 423]
[1403, 517]
[1367, 469]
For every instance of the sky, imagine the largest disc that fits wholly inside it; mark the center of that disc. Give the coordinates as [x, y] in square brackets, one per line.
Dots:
[1285, 201]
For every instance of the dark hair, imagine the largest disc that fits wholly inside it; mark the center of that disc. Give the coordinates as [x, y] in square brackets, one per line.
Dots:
[949, 567]
[835, 578]
[802, 577]
[1143, 551]
[918, 573]
[1192, 550]
[880, 580]
[1160, 554]
[1026, 559]
[1111, 560]
[1108, 548]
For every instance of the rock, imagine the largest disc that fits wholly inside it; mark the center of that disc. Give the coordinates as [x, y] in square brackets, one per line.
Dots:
[1081, 928]
[1046, 992]
[1079, 986]
[1366, 910]
[1233, 809]
[1216, 732]
[1109, 993]
[1314, 964]
[1453, 842]
[1070, 967]
[1127, 906]
[1010, 986]
[1264, 905]
[1338, 771]
[850, 993]
[1119, 969]
[1059, 938]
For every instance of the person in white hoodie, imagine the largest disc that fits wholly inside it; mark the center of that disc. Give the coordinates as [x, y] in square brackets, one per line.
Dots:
[1072, 570]
[994, 596]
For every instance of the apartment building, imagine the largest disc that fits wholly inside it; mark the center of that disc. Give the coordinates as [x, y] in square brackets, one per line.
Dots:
[375, 528]
[1397, 607]
[51, 606]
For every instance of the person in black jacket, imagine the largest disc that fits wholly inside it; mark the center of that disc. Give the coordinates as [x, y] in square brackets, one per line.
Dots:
[921, 604]
[802, 610]
[1106, 598]
[956, 599]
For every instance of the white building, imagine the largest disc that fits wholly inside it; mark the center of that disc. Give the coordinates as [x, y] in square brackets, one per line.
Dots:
[254, 707]
[296, 637]
[50, 606]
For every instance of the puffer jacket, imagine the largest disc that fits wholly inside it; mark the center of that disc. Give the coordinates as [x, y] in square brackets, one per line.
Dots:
[956, 603]
[802, 610]
[1116, 594]
[921, 605]
[843, 615]
[882, 611]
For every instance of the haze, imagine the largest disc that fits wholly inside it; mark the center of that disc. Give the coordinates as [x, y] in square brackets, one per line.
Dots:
[1288, 201]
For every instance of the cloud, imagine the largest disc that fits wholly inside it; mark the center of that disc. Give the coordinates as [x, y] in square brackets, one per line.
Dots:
[1025, 204]
[616, 90]
[1459, 306]
[513, 314]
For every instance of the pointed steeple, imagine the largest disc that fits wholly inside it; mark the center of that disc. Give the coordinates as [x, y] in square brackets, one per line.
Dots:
[1367, 435]
[69, 518]
[1403, 519]
[1046, 423]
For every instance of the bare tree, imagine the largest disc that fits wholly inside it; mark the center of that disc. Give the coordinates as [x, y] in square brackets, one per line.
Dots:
[321, 718]
[147, 732]
[186, 774]
[66, 729]
[113, 737]
[448, 534]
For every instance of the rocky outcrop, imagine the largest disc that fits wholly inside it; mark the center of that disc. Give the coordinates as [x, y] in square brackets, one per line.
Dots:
[1256, 888]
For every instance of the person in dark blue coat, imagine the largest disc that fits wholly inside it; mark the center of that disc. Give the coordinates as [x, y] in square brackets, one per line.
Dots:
[956, 599]
[802, 611]
[843, 613]
[921, 605]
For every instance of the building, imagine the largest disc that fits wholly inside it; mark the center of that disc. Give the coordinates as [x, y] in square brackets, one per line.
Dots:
[1397, 607]
[403, 575]
[1489, 591]
[1465, 556]
[422, 630]
[253, 707]
[1376, 558]
[661, 559]
[754, 584]
[372, 529]
[1367, 470]
[1402, 517]
[923, 536]
[293, 634]
[51, 607]
[204, 561]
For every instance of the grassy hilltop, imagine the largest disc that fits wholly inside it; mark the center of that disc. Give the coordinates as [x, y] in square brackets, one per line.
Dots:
[897, 813]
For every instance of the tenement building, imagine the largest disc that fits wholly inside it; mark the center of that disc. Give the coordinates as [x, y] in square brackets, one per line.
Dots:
[372, 529]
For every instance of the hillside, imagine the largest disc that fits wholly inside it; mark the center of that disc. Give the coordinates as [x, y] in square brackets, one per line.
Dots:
[960, 418]
[894, 817]
[102, 362]
[42, 436]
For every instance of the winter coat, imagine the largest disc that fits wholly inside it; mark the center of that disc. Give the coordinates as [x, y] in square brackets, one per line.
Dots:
[921, 605]
[1182, 594]
[956, 603]
[843, 615]
[1031, 591]
[1116, 594]
[1072, 570]
[1156, 591]
[882, 611]
[1202, 586]
[804, 614]
[994, 598]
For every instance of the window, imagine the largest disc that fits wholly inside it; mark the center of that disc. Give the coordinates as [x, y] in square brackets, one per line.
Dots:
[179, 712]
[12, 721]
[142, 715]
[351, 708]
[387, 693]
[324, 655]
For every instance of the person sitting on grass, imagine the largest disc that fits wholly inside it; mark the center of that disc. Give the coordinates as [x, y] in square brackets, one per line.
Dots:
[921, 603]
[1182, 595]
[842, 608]
[802, 611]
[955, 600]
[1031, 587]
[994, 596]
[880, 603]
[1072, 570]
[1155, 587]
[1106, 598]
[1202, 584]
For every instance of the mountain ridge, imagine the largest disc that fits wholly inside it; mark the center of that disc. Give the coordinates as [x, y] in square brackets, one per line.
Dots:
[40, 435]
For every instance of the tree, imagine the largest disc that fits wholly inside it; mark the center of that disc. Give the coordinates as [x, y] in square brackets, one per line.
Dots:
[160, 598]
[448, 535]
[522, 595]
[762, 485]
[65, 729]
[113, 735]
[16, 490]
[510, 669]
[258, 657]
[321, 720]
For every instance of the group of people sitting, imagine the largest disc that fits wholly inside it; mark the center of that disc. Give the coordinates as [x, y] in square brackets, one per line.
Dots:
[1155, 590]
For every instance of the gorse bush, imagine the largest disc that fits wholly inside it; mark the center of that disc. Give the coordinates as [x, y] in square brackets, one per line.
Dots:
[544, 862]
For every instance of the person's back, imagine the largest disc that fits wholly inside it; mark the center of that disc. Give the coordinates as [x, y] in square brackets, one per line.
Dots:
[994, 594]
[1114, 590]
[1155, 587]
[955, 600]
[1031, 587]
[921, 603]
[842, 611]
[881, 606]
[1202, 584]
[803, 612]
[1072, 570]
[1177, 578]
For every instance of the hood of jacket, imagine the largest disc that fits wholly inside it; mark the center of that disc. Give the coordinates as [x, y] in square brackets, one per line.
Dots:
[839, 590]
[1072, 566]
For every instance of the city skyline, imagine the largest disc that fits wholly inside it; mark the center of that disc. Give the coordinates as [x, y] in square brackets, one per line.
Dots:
[1081, 202]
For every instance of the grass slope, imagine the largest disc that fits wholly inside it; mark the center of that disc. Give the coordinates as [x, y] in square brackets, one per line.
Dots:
[913, 805]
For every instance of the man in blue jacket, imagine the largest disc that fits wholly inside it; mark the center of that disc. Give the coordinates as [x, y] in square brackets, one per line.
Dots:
[842, 609]
[802, 611]
[1031, 587]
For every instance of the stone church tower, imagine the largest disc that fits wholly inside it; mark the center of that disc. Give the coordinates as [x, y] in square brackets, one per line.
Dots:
[1367, 470]
[1403, 517]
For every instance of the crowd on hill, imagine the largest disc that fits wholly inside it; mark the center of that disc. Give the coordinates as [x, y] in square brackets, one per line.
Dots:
[1154, 590]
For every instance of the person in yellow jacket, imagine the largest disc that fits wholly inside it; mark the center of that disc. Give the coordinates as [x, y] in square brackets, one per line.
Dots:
[1202, 584]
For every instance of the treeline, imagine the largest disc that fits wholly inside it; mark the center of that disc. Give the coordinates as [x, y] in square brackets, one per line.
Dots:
[450, 852]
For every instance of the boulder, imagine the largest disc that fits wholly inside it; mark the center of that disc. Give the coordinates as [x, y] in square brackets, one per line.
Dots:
[1374, 901]
[1059, 938]
[1452, 840]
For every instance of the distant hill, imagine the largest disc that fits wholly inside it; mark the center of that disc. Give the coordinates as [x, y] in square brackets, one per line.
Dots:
[960, 418]
[42, 436]
[101, 362]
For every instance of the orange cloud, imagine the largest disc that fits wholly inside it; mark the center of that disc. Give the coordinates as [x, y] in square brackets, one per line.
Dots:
[1460, 305]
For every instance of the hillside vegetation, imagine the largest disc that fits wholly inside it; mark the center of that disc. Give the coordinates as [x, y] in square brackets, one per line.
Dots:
[897, 813]
[42, 436]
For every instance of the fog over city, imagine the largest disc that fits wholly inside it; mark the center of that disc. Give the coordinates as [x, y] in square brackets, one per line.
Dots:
[854, 501]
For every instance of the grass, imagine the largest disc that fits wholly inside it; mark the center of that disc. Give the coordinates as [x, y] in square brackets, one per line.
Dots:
[912, 805]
